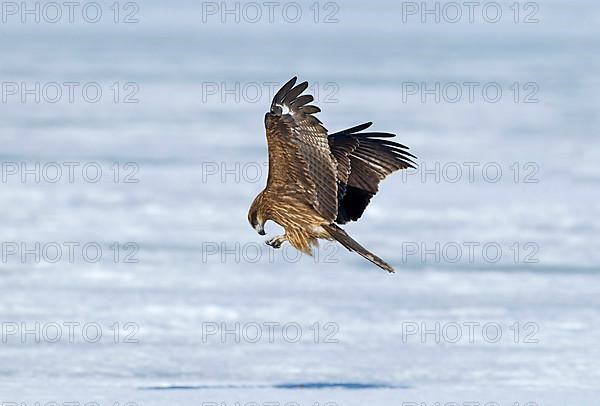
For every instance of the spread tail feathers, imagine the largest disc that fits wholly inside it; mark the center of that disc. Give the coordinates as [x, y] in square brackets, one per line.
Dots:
[343, 238]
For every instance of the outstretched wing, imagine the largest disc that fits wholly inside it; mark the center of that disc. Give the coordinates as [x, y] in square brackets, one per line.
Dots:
[301, 165]
[364, 160]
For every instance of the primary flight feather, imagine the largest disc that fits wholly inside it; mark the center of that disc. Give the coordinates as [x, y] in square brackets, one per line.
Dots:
[318, 180]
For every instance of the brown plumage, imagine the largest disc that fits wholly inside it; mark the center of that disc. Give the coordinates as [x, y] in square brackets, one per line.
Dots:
[317, 180]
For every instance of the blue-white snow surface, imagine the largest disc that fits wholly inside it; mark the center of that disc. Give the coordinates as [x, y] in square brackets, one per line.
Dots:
[516, 326]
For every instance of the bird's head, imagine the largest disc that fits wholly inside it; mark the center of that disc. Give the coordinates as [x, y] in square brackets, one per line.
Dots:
[256, 216]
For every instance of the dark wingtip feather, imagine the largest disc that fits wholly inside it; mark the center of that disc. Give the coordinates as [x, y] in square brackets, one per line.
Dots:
[397, 148]
[290, 95]
[353, 130]
[301, 101]
[361, 127]
[295, 92]
[281, 93]
[311, 109]
[375, 134]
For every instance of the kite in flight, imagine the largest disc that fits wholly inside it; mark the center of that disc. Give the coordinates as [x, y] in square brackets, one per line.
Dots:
[318, 180]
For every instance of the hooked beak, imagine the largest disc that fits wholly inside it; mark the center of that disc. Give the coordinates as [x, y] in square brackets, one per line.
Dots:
[260, 229]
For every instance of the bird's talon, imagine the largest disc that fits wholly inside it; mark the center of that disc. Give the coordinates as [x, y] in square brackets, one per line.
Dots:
[274, 242]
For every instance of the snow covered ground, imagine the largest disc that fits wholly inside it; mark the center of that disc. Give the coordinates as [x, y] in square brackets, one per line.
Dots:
[129, 273]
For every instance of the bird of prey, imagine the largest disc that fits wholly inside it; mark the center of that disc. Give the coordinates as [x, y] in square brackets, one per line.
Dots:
[319, 180]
